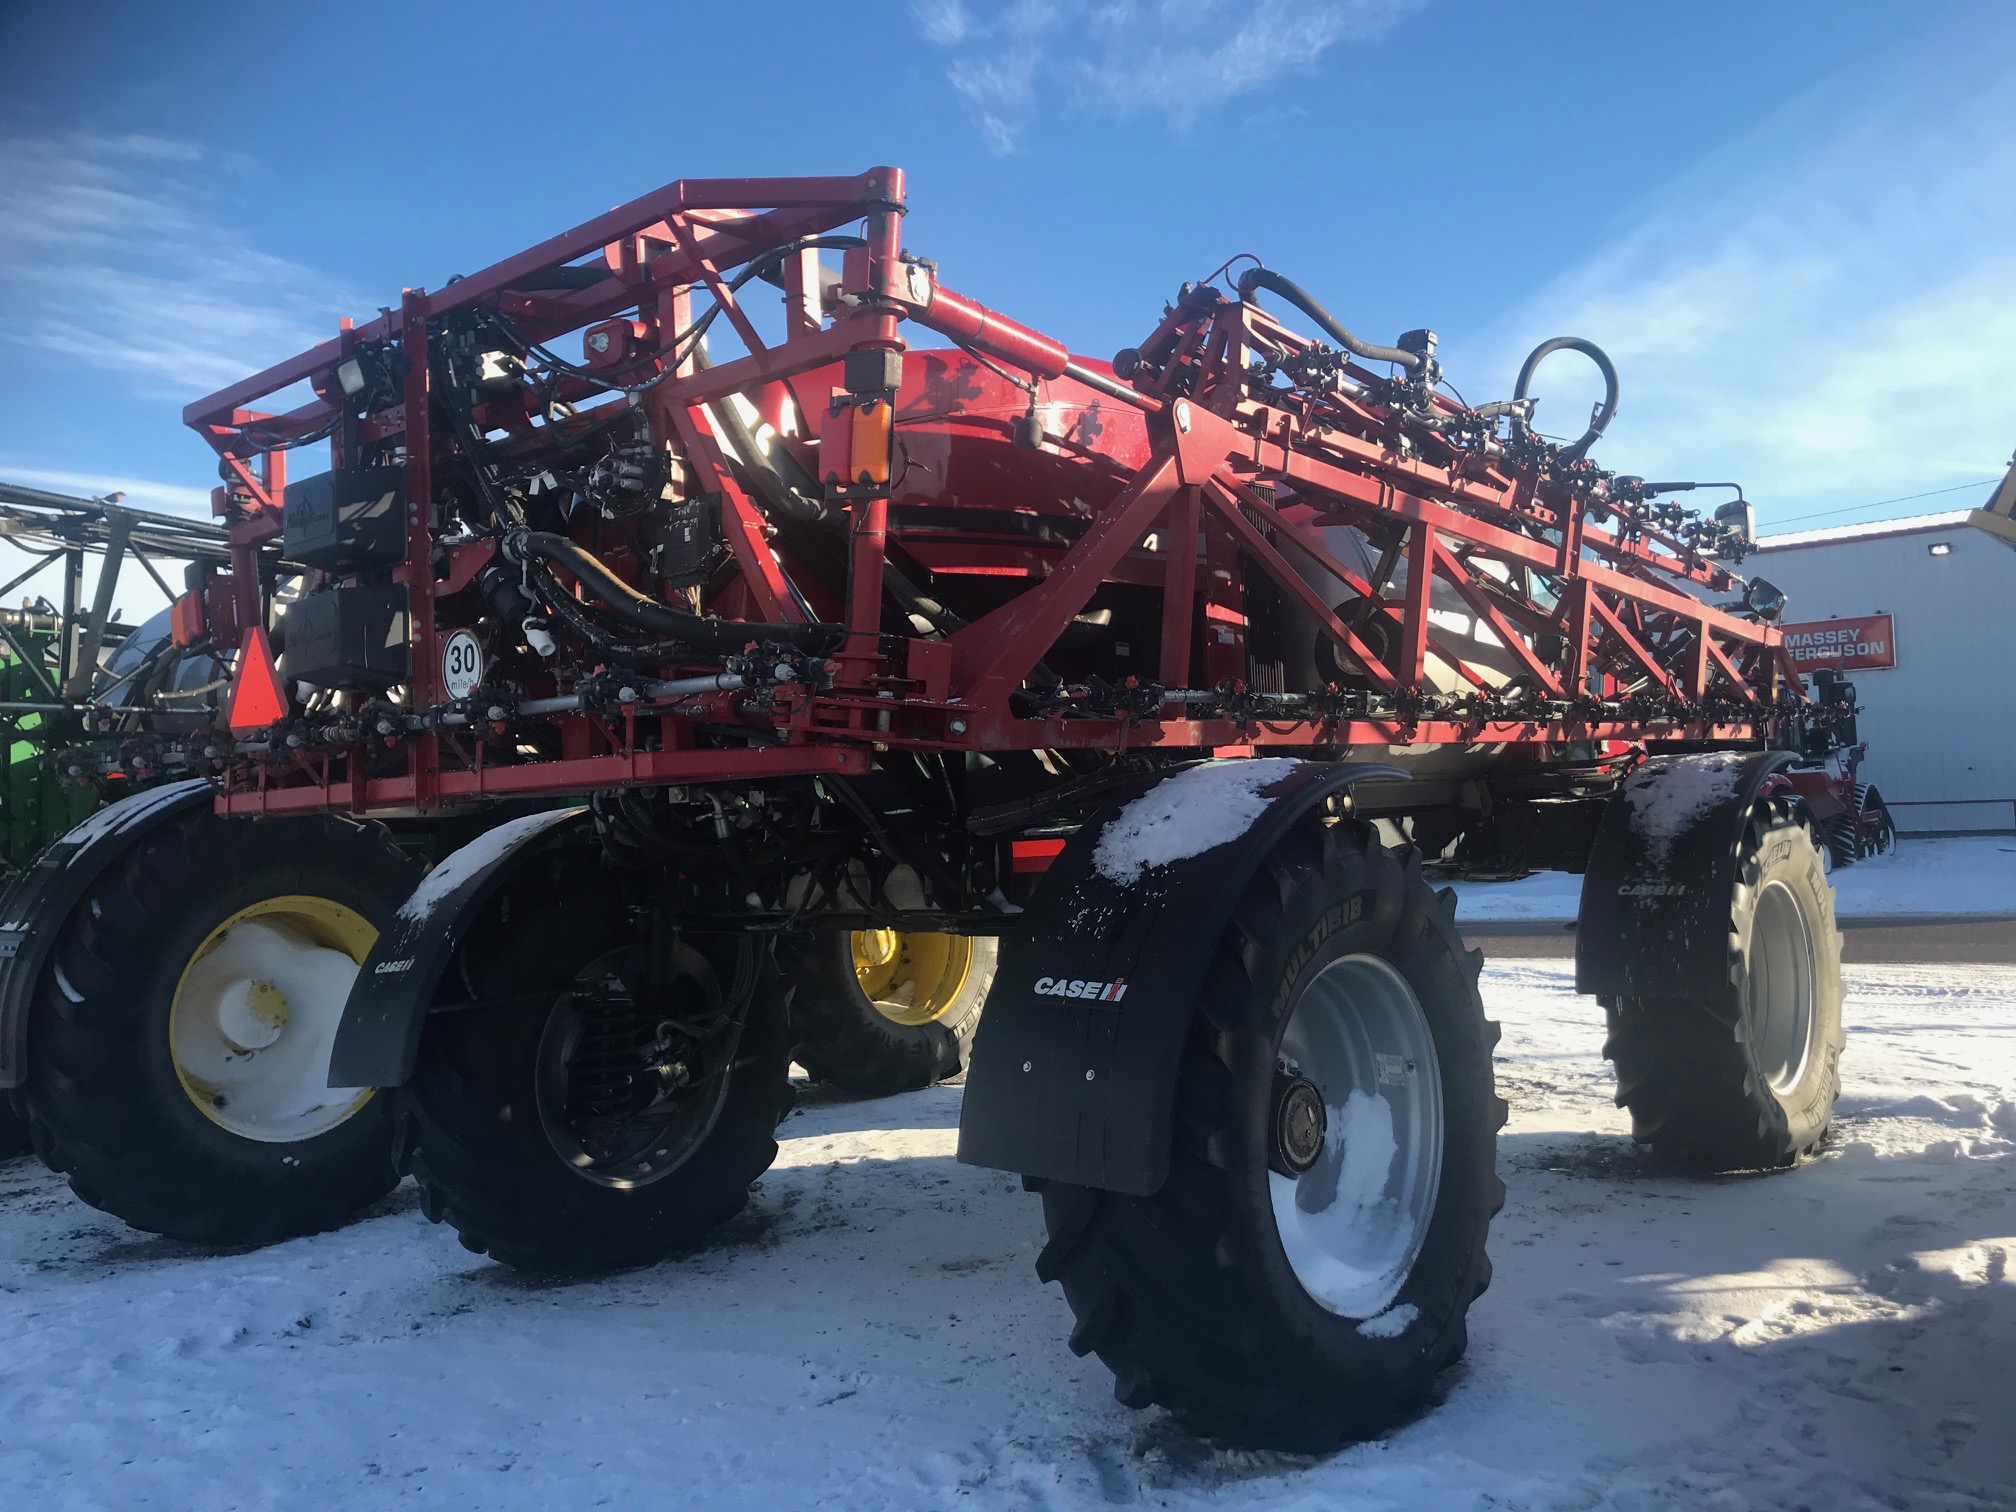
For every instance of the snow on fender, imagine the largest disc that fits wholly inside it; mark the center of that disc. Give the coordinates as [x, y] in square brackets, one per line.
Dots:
[1074, 1069]
[1666, 799]
[1662, 872]
[1196, 810]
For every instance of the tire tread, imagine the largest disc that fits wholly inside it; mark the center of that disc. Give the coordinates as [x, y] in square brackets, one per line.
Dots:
[1163, 1287]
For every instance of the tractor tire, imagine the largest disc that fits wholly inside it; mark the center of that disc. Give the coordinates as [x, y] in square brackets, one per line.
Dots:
[179, 1041]
[1244, 1296]
[1745, 1079]
[877, 1012]
[13, 1132]
[1842, 841]
[494, 1152]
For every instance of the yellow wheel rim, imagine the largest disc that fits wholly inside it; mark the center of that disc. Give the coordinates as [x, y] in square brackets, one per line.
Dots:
[255, 1015]
[911, 978]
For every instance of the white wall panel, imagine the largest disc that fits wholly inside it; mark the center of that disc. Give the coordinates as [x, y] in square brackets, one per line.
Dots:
[1941, 724]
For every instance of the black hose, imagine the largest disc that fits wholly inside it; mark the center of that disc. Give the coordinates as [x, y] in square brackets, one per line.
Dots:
[684, 343]
[681, 344]
[450, 399]
[791, 500]
[916, 601]
[1295, 294]
[1666, 488]
[1605, 413]
[764, 476]
[716, 636]
[571, 613]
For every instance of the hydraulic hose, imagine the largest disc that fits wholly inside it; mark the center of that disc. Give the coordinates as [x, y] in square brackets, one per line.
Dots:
[716, 636]
[765, 477]
[1605, 412]
[918, 602]
[1295, 294]
[794, 499]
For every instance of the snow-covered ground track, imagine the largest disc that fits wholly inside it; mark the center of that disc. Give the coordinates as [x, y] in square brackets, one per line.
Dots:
[870, 1335]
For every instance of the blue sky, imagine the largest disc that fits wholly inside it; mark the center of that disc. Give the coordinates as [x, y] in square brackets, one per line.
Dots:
[1792, 223]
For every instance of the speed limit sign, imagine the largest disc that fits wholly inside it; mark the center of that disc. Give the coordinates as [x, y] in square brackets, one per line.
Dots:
[461, 664]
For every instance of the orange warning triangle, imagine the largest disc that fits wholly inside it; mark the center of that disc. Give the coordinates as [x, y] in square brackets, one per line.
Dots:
[257, 699]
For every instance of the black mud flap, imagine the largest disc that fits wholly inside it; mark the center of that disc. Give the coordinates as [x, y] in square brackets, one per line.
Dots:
[1074, 1070]
[38, 903]
[378, 1041]
[1656, 898]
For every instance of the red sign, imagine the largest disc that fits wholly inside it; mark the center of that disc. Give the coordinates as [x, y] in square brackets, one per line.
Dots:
[257, 699]
[1847, 645]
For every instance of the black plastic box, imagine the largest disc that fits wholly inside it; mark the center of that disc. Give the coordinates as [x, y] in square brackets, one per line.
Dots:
[682, 540]
[346, 520]
[348, 638]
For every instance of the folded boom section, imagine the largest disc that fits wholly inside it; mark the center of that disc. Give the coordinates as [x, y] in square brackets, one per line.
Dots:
[607, 516]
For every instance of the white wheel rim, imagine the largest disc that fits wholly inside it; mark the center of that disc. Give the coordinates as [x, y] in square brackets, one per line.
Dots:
[1780, 987]
[255, 1017]
[1353, 1224]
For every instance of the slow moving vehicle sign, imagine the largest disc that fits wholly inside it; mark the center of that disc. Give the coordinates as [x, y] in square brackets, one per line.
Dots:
[1846, 645]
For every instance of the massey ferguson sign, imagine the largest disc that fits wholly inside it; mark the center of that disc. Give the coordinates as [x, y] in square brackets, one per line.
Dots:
[1848, 645]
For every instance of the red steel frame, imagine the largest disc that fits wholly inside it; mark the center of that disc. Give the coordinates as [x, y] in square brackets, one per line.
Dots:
[1233, 471]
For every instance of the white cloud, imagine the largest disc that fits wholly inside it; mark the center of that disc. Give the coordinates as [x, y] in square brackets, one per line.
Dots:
[114, 254]
[1125, 59]
[1824, 311]
[944, 22]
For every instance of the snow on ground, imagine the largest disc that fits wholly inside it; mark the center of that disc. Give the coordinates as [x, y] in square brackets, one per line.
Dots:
[1969, 874]
[871, 1335]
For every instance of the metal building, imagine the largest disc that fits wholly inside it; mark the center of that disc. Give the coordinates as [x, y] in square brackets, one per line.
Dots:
[1919, 614]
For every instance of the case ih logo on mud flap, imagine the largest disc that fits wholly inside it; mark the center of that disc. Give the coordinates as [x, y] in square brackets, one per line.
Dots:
[392, 968]
[1652, 890]
[1078, 987]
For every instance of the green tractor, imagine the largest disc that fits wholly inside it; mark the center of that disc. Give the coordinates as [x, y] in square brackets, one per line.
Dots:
[38, 801]
[92, 707]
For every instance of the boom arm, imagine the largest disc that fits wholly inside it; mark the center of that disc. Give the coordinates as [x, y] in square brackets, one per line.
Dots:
[812, 545]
